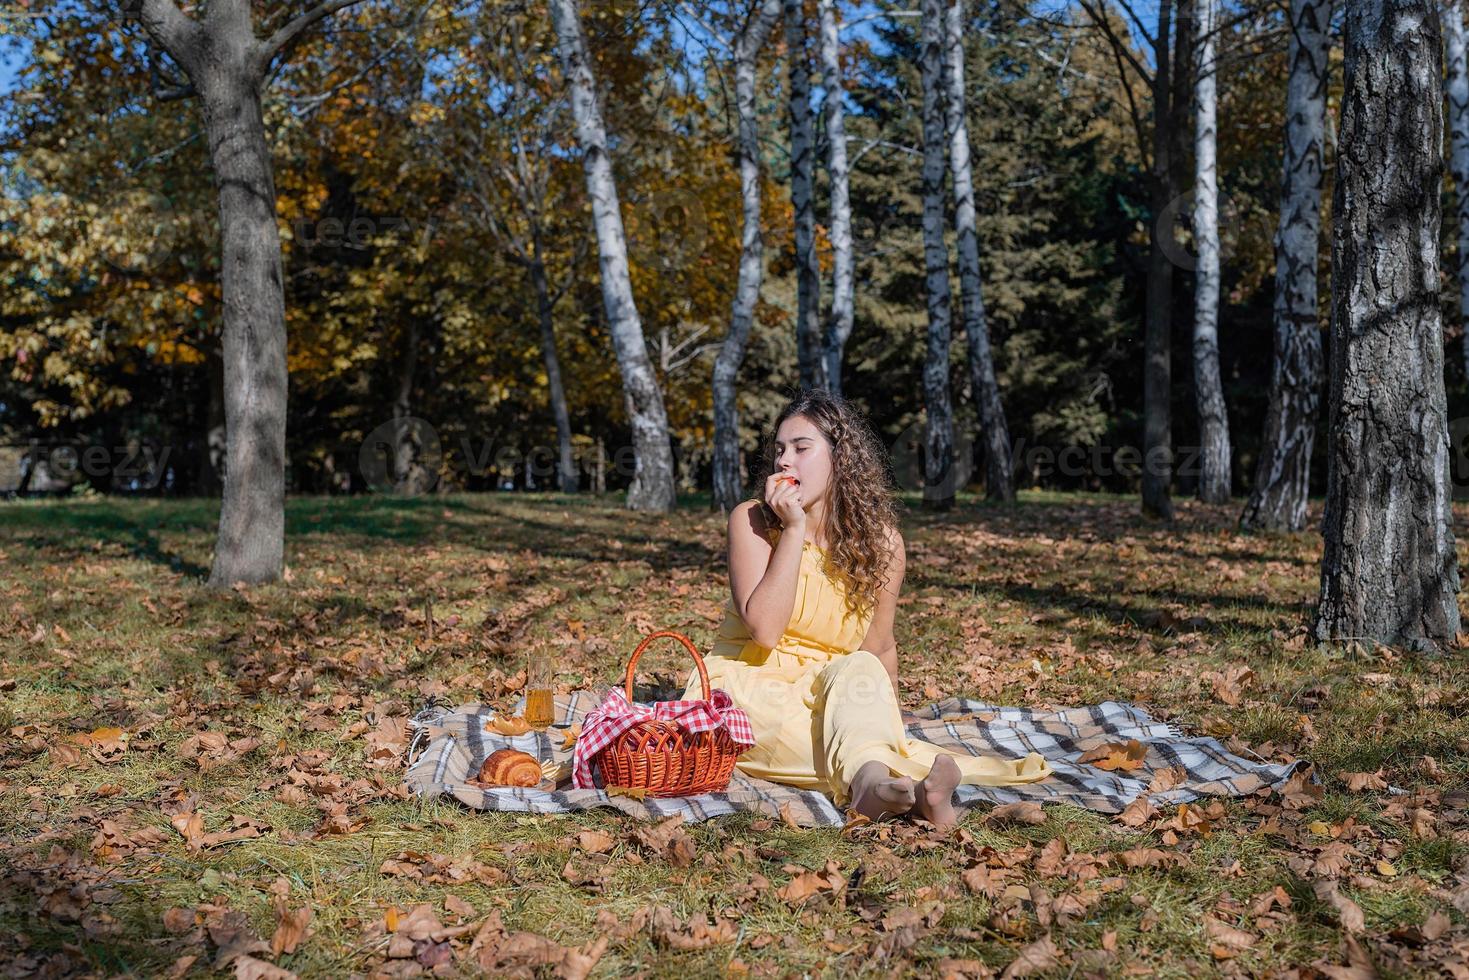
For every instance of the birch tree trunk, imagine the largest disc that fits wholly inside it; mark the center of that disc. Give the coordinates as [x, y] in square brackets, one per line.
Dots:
[938, 460]
[1389, 571]
[1457, 88]
[652, 487]
[728, 479]
[1282, 477]
[808, 272]
[843, 299]
[1208, 389]
[227, 66]
[994, 434]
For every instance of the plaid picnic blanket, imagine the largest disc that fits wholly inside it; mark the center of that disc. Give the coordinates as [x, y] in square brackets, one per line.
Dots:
[450, 744]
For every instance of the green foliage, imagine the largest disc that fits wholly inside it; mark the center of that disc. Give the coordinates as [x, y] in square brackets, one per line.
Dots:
[406, 150]
[1044, 187]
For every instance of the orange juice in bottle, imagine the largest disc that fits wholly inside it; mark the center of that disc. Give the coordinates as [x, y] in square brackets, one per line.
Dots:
[539, 706]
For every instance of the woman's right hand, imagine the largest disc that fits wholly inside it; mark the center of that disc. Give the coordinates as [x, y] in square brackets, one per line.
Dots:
[783, 495]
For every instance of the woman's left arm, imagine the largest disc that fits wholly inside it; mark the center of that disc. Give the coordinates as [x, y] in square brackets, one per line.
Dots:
[880, 640]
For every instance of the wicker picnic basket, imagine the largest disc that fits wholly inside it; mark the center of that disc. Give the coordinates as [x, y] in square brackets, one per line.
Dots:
[663, 758]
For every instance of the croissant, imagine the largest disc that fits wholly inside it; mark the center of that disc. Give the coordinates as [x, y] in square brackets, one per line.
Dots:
[507, 725]
[510, 767]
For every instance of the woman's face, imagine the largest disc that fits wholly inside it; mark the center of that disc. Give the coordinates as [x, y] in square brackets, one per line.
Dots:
[803, 452]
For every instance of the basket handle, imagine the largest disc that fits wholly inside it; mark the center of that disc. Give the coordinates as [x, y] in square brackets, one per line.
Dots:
[698, 660]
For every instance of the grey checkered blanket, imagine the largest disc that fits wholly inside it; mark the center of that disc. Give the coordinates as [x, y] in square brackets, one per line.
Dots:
[450, 744]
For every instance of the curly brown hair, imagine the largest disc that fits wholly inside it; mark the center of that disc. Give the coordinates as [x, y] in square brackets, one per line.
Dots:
[861, 502]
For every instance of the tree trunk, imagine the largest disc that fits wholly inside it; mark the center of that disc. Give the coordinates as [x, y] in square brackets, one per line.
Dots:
[1214, 459]
[251, 540]
[1282, 478]
[411, 475]
[728, 480]
[568, 480]
[1457, 89]
[227, 66]
[652, 483]
[938, 460]
[843, 298]
[1389, 571]
[808, 272]
[994, 434]
[1158, 329]
[1157, 365]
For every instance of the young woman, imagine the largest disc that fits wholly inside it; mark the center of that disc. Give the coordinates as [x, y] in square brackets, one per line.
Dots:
[807, 648]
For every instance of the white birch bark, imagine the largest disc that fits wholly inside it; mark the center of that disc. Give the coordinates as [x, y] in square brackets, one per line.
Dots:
[938, 462]
[1208, 389]
[652, 487]
[1456, 85]
[808, 272]
[728, 480]
[1389, 568]
[839, 322]
[994, 434]
[1282, 476]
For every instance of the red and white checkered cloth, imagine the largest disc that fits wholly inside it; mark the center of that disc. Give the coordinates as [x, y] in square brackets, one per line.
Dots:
[615, 715]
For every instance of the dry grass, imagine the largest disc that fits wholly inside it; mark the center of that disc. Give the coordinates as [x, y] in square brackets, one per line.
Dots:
[1060, 600]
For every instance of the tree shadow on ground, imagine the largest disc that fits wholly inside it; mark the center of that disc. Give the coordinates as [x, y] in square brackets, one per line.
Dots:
[74, 531]
[1143, 609]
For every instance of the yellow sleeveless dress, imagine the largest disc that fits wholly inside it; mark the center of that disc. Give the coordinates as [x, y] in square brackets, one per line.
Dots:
[820, 707]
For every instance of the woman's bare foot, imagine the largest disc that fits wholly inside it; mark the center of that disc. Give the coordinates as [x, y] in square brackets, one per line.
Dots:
[935, 793]
[875, 791]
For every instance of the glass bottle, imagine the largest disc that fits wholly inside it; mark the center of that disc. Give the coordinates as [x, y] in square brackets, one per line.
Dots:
[540, 708]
